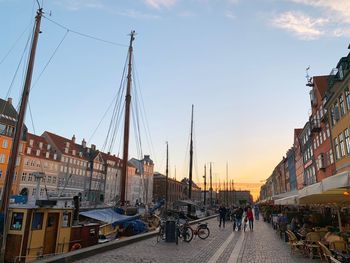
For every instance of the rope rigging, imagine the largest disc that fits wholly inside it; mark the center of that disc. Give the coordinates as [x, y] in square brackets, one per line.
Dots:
[83, 34]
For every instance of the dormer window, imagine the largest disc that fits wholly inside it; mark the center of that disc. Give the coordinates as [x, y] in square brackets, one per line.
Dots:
[66, 150]
[40, 145]
[31, 142]
[67, 144]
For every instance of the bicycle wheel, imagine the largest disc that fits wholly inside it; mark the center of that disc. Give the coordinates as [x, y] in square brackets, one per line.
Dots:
[160, 235]
[203, 233]
[187, 234]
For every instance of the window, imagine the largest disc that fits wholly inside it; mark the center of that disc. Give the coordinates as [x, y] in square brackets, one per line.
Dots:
[34, 191]
[37, 152]
[37, 222]
[16, 221]
[66, 218]
[328, 131]
[40, 145]
[54, 180]
[30, 178]
[5, 144]
[347, 98]
[347, 140]
[342, 106]
[31, 142]
[23, 177]
[2, 158]
[331, 158]
[47, 154]
[342, 146]
[337, 152]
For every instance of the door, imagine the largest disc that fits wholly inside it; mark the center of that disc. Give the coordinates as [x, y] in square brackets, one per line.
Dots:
[51, 233]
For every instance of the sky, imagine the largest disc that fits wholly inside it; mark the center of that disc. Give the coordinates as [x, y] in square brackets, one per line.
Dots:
[240, 62]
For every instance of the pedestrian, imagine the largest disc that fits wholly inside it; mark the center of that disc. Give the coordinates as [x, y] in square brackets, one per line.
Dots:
[256, 212]
[250, 218]
[222, 214]
[245, 219]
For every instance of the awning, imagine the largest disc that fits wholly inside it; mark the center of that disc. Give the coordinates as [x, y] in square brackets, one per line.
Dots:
[336, 181]
[334, 197]
[108, 216]
[289, 200]
[313, 189]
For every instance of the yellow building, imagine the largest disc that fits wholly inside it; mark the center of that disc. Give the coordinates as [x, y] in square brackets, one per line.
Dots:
[338, 106]
[8, 117]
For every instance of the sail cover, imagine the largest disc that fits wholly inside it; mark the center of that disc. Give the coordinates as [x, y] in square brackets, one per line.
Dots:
[108, 216]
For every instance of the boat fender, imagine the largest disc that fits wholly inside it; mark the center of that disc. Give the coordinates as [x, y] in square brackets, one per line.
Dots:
[76, 246]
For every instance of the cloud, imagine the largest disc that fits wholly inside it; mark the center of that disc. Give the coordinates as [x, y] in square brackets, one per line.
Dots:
[75, 5]
[303, 26]
[158, 4]
[339, 7]
[229, 14]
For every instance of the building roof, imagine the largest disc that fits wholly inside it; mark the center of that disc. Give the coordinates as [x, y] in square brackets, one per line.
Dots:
[36, 146]
[61, 143]
[8, 114]
[109, 157]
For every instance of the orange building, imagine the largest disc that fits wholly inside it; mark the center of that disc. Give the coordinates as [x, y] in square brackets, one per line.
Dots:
[338, 106]
[8, 118]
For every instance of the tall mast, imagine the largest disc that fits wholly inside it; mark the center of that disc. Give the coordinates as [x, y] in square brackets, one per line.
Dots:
[226, 183]
[166, 178]
[191, 159]
[19, 128]
[127, 124]
[205, 184]
[211, 187]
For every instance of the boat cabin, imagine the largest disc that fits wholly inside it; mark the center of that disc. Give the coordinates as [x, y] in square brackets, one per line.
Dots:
[34, 232]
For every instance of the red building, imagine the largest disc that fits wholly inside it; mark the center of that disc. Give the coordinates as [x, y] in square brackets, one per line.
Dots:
[320, 130]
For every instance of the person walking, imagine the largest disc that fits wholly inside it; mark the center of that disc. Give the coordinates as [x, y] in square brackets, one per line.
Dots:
[222, 214]
[250, 218]
[256, 212]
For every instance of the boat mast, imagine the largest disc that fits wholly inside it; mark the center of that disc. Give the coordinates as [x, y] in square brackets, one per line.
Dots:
[166, 178]
[127, 124]
[205, 184]
[211, 187]
[226, 184]
[19, 128]
[191, 160]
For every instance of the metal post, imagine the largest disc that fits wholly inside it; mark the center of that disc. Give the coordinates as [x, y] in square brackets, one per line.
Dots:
[205, 184]
[167, 178]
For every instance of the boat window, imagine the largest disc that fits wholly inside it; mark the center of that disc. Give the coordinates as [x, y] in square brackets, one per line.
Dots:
[66, 218]
[37, 222]
[17, 221]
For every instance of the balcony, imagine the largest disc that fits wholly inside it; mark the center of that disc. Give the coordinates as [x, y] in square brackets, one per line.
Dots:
[315, 125]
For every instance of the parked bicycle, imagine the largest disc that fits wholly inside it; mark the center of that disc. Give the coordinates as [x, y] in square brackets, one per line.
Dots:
[161, 233]
[186, 231]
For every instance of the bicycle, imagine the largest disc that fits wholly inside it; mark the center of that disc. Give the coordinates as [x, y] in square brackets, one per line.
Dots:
[183, 231]
[161, 232]
[202, 231]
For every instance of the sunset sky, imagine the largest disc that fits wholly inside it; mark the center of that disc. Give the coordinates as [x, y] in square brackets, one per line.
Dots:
[240, 62]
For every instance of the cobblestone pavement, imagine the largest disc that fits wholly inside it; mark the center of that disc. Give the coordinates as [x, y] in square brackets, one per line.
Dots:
[223, 245]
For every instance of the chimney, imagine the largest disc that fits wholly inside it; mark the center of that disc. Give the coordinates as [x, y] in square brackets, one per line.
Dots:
[73, 138]
[93, 147]
[83, 143]
[9, 101]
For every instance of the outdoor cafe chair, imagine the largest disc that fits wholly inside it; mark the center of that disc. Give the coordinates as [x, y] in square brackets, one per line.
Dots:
[326, 253]
[295, 244]
[311, 246]
[338, 245]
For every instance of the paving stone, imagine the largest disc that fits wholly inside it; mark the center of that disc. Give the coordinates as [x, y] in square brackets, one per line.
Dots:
[259, 246]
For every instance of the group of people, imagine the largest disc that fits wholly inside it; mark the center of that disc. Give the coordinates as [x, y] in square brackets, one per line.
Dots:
[241, 217]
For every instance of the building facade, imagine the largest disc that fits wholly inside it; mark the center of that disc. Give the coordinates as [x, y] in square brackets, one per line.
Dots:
[39, 158]
[175, 189]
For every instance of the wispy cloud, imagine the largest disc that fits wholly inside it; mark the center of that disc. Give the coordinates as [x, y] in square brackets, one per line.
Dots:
[340, 7]
[229, 14]
[75, 5]
[158, 4]
[303, 26]
[333, 19]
